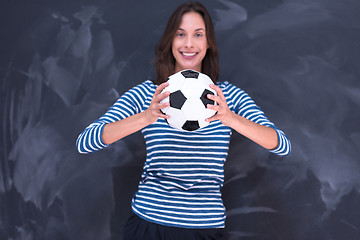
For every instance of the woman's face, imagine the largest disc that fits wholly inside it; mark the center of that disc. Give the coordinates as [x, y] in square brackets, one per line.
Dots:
[189, 45]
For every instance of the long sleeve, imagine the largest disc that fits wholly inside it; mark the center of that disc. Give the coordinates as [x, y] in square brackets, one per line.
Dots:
[241, 103]
[130, 103]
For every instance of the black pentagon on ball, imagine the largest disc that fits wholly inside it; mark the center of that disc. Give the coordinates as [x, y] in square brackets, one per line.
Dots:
[190, 74]
[177, 99]
[204, 98]
[191, 125]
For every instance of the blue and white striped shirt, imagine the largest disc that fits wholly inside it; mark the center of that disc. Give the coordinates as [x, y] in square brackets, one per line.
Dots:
[183, 172]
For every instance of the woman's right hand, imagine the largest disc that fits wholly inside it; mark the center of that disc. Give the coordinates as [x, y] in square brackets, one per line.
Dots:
[153, 112]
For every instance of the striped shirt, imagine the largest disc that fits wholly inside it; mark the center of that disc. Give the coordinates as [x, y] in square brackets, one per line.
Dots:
[183, 172]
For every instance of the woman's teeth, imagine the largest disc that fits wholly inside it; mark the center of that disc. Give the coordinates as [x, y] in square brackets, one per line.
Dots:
[188, 54]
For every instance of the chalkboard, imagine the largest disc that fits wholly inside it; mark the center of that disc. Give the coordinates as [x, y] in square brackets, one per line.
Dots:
[64, 63]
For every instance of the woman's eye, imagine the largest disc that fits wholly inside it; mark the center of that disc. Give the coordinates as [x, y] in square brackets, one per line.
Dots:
[198, 35]
[180, 34]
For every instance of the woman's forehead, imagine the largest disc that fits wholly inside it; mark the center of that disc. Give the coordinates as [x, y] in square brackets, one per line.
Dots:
[192, 21]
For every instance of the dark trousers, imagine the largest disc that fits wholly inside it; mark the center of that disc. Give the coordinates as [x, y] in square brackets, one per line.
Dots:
[137, 228]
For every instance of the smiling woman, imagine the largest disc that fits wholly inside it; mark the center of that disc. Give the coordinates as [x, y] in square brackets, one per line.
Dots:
[190, 44]
[179, 193]
[189, 22]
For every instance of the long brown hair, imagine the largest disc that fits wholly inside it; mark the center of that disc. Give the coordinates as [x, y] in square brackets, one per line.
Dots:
[165, 61]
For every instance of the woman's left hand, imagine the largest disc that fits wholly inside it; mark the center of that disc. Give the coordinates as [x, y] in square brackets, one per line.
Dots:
[224, 114]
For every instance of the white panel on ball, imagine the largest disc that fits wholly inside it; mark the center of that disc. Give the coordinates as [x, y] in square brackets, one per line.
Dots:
[193, 109]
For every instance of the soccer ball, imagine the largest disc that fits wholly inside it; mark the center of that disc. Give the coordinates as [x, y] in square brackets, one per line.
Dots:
[188, 91]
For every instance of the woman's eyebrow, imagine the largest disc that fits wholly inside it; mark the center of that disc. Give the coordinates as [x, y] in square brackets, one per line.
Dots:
[198, 29]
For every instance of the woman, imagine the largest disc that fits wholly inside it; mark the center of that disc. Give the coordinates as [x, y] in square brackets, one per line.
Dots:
[179, 194]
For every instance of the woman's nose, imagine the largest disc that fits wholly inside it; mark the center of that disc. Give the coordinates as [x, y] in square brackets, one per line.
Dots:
[189, 42]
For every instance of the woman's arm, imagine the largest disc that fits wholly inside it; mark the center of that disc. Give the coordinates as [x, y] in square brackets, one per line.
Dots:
[265, 136]
[122, 119]
[262, 135]
[116, 130]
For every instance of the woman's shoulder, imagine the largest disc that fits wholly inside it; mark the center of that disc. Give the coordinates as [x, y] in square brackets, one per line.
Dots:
[145, 89]
[148, 84]
[226, 86]
[145, 86]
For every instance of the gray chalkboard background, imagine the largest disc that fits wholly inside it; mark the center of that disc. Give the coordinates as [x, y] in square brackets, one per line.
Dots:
[63, 63]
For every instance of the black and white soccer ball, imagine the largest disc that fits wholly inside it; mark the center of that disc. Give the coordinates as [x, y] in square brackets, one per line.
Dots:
[188, 100]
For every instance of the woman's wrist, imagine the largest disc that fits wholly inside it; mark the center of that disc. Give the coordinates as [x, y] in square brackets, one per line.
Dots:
[145, 118]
